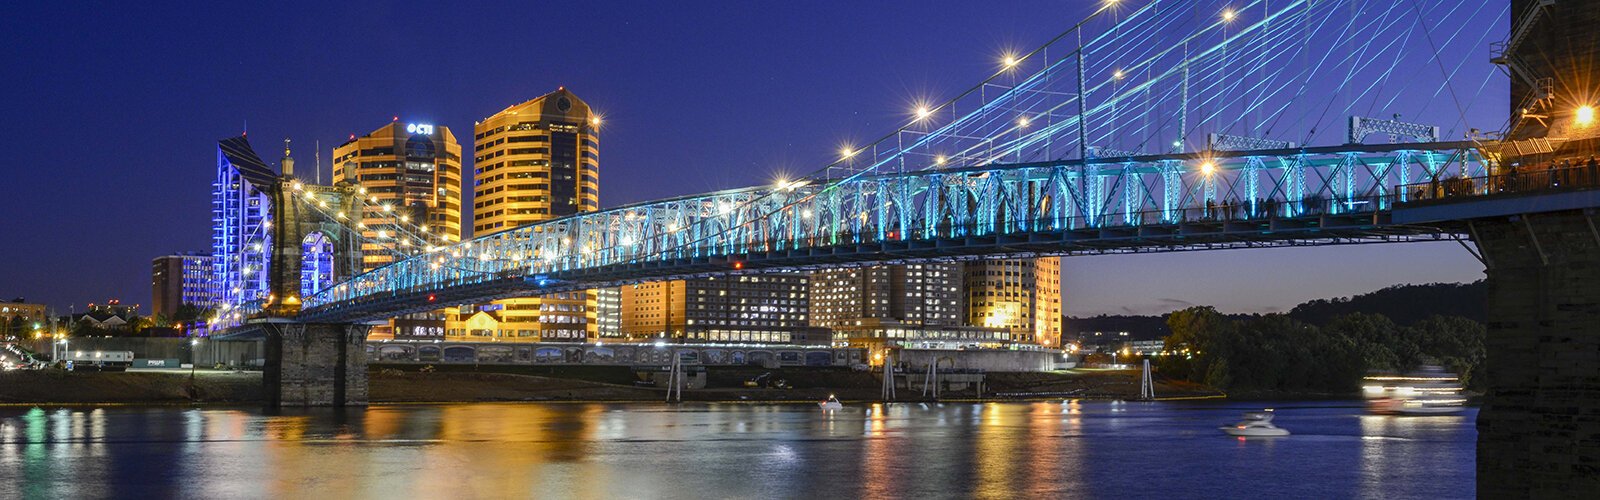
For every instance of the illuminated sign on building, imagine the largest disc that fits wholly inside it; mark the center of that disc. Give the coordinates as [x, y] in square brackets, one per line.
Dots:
[419, 128]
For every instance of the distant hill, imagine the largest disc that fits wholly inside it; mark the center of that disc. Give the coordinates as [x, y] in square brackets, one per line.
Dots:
[1403, 304]
[1138, 327]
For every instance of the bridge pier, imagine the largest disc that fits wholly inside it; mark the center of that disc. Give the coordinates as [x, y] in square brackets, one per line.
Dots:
[1539, 428]
[315, 364]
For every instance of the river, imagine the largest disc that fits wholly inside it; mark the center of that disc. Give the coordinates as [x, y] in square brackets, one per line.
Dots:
[1089, 449]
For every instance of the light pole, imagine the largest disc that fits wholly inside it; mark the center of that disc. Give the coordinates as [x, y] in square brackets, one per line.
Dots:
[193, 359]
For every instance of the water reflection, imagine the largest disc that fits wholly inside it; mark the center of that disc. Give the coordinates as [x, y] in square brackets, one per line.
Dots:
[1055, 449]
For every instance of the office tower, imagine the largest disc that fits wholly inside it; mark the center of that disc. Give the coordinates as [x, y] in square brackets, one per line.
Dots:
[413, 169]
[534, 161]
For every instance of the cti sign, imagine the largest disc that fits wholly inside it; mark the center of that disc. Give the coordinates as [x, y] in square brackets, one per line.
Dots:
[419, 128]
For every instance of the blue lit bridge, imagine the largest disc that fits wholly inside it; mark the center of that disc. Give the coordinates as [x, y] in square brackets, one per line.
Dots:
[1150, 126]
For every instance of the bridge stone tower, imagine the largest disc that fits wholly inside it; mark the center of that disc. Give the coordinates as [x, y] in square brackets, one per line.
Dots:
[311, 364]
[1539, 428]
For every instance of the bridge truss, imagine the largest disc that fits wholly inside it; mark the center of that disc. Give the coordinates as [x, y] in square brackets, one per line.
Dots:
[1149, 126]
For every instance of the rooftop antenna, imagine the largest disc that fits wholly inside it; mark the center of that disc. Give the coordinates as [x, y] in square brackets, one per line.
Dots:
[318, 155]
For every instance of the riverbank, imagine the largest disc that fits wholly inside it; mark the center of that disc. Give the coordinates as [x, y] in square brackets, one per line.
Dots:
[487, 383]
[150, 387]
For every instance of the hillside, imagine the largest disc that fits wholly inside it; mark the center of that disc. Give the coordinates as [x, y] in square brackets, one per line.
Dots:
[1404, 304]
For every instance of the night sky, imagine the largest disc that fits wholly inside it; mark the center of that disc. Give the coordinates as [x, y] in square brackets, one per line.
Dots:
[113, 109]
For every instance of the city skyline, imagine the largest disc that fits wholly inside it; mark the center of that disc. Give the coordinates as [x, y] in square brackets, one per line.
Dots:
[800, 117]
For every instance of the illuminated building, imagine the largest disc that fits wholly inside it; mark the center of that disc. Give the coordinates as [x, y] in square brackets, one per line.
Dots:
[909, 294]
[1021, 295]
[767, 308]
[182, 278]
[18, 307]
[240, 232]
[608, 312]
[532, 162]
[413, 170]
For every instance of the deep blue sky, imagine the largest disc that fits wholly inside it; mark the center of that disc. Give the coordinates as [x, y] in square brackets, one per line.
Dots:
[112, 110]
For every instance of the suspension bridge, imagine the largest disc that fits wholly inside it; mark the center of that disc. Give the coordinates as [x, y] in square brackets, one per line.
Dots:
[1165, 126]
[1150, 126]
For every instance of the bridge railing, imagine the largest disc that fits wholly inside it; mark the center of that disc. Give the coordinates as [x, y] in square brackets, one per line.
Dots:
[1521, 180]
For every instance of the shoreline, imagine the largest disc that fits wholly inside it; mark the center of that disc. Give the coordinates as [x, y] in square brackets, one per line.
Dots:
[493, 384]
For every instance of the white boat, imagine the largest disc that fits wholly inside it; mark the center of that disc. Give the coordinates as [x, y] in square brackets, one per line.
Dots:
[831, 403]
[1255, 424]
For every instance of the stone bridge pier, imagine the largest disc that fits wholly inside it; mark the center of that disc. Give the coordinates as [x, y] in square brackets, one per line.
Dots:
[1539, 427]
[315, 364]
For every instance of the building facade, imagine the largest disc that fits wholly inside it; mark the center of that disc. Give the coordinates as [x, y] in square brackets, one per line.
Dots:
[182, 278]
[910, 294]
[765, 308]
[532, 162]
[21, 308]
[1020, 295]
[413, 169]
[410, 174]
[608, 313]
[240, 223]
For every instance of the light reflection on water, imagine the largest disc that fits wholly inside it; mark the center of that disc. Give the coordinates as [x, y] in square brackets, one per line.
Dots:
[991, 450]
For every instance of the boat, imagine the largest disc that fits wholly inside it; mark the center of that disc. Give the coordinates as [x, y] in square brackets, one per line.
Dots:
[1431, 390]
[1255, 424]
[831, 404]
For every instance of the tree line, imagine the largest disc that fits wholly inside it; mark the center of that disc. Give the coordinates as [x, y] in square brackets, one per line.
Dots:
[1278, 353]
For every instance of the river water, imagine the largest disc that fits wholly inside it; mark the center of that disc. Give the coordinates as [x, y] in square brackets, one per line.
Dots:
[1091, 449]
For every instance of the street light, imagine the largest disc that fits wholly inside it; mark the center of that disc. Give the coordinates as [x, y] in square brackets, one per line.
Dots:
[1585, 116]
[193, 344]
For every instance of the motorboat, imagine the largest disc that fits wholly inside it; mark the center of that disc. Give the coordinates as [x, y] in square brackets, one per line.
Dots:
[1255, 424]
[831, 404]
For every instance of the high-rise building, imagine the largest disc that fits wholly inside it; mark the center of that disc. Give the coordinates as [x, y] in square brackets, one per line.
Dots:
[240, 227]
[415, 170]
[532, 162]
[181, 278]
[411, 174]
[769, 308]
[913, 294]
[1021, 295]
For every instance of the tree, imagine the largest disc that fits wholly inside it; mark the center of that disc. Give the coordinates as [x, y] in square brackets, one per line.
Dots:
[1453, 342]
[1195, 333]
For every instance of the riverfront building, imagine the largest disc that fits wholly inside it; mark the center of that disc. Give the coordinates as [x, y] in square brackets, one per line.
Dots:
[1020, 295]
[182, 278]
[532, 162]
[910, 294]
[766, 308]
